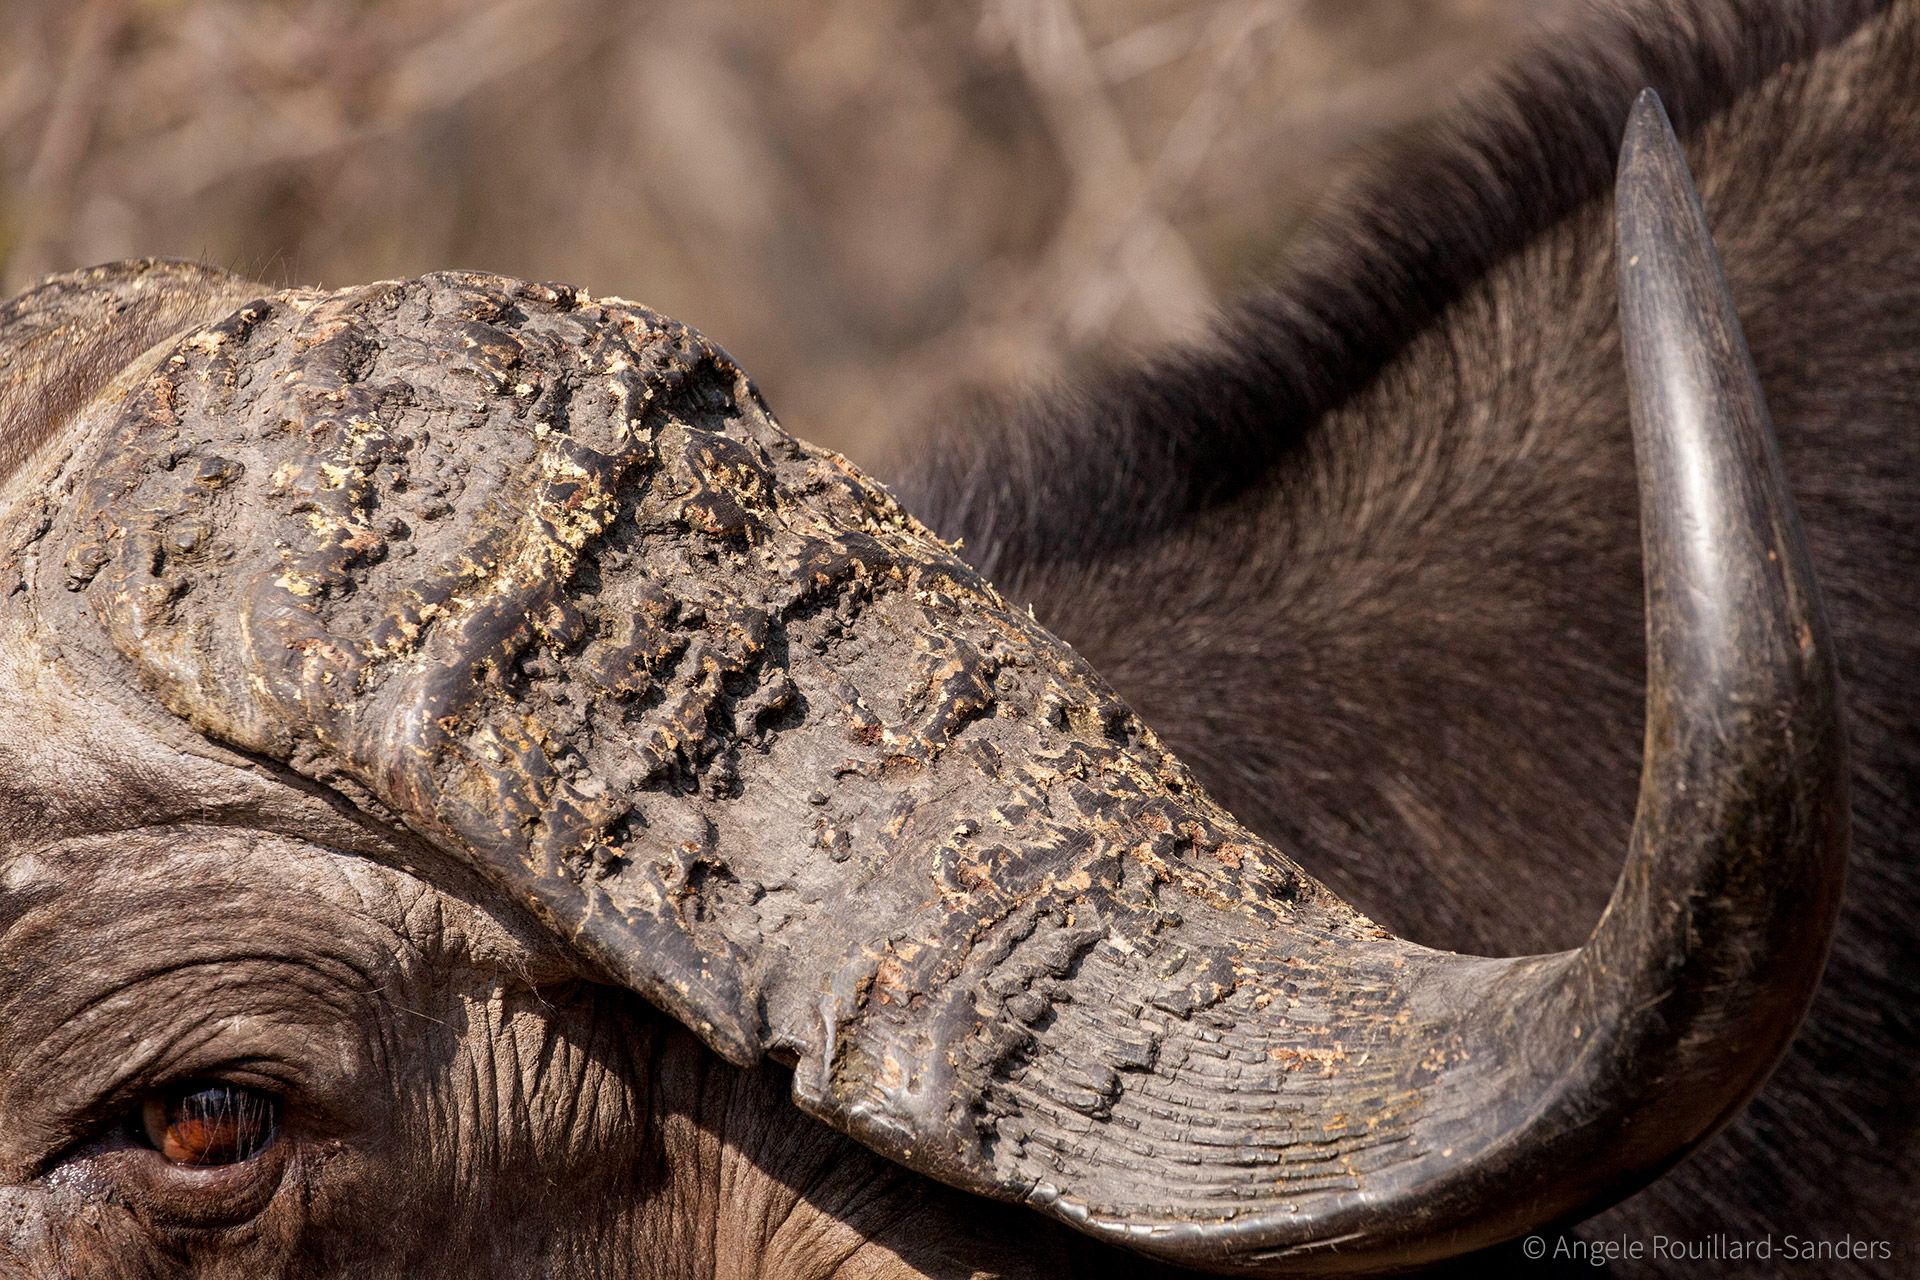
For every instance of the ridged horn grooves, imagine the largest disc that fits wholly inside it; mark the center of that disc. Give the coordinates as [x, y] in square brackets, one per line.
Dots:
[537, 576]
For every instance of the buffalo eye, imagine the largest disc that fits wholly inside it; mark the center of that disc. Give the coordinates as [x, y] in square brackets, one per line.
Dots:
[208, 1125]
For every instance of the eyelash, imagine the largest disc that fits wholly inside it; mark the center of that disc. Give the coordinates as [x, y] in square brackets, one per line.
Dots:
[206, 1124]
[195, 1193]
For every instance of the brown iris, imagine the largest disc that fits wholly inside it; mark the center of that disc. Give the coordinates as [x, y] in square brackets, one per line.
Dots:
[210, 1124]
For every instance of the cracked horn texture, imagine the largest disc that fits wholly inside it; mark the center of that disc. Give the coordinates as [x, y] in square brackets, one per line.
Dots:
[538, 576]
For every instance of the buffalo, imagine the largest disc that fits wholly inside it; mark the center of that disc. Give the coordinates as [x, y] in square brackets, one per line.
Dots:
[477, 798]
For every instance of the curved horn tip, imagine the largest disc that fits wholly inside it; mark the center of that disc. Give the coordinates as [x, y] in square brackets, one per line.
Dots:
[1626, 1054]
[1710, 951]
[1730, 590]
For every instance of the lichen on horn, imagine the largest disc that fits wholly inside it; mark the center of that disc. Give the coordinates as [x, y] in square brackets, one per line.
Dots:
[537, 576]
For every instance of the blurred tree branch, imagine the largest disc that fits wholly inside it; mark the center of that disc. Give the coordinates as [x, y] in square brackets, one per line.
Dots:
[874, 206]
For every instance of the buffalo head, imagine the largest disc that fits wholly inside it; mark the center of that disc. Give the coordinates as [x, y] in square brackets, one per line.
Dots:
[393, 679]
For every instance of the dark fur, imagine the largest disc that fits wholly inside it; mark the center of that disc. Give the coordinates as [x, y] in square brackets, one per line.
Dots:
[1370, 561]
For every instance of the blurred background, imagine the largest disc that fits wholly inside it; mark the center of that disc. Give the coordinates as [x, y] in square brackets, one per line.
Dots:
[876, 205]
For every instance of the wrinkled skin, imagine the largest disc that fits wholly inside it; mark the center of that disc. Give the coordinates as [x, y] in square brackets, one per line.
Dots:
[438, 1058]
